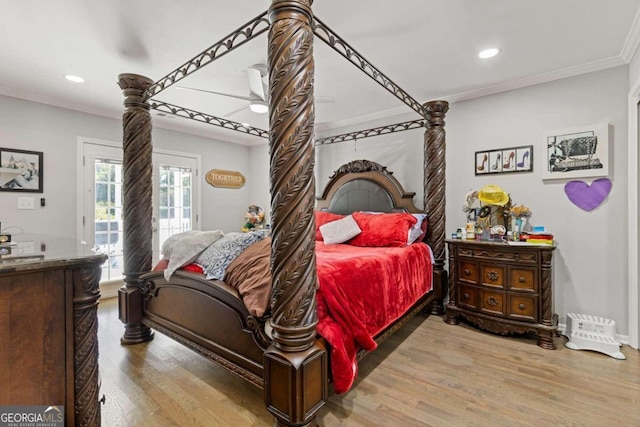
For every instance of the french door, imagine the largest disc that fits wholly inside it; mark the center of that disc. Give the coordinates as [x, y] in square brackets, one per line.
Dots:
[175, 200]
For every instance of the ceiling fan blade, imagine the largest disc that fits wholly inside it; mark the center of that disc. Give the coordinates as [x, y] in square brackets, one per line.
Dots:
[245, 98]
[255, 82]
[324, 99]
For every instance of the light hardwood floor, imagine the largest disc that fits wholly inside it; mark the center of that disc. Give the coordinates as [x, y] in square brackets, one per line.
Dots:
[427, 374]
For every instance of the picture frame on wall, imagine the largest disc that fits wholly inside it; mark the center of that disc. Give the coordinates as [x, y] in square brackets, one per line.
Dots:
[21, 170]
[504, 160]
[580, 152]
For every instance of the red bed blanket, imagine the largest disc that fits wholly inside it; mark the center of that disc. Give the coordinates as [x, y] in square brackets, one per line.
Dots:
[361, 291]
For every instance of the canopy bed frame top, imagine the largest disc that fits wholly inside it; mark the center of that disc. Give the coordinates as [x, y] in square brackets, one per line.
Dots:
[294, 375]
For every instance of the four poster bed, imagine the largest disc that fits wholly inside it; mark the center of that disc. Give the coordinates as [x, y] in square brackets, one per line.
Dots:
[280, 350]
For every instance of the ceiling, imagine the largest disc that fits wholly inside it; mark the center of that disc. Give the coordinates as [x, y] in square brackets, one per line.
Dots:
[427, 47]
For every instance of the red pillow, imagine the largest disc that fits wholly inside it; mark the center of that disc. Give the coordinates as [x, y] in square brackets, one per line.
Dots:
[322, 218]
[390, 229]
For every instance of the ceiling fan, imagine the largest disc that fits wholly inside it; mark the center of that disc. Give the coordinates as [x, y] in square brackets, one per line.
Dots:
[258, 91]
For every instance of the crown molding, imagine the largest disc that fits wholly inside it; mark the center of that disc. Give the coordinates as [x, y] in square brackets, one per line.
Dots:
[168, 123]
[324, 127]
[630, 46]
[563, 73]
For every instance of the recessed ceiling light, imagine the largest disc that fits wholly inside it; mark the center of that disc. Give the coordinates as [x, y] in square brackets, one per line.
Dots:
[74, 79]
[258, 106]
[489, 53]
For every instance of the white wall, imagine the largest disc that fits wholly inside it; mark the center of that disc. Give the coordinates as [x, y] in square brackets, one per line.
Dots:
[54, 131]
[401, 152]
[260, 193]
[590, 263]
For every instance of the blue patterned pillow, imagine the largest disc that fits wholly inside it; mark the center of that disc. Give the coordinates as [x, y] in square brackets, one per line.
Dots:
[217, 257]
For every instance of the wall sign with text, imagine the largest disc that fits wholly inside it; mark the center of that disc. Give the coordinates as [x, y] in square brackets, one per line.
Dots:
[225, 179]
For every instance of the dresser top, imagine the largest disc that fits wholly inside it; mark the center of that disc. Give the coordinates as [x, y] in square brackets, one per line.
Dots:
[501, 244]
[32, 252]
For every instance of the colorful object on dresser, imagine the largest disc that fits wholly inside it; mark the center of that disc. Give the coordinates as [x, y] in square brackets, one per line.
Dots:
[254, 218]
[541, 237]
[493, 195]
[588, 197]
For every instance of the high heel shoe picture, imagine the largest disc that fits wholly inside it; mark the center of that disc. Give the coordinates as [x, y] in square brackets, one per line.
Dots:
[496, 161]
[510, 163]
[481, 162]
[525, 163]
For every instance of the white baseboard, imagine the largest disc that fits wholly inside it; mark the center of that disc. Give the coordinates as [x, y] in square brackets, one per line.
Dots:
[110, 289]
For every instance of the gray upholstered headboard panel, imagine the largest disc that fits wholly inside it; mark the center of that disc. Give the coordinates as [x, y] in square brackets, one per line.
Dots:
[363, 185]
[361, 195]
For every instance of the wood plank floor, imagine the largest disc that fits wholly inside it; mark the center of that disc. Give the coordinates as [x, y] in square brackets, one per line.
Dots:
[427, 374]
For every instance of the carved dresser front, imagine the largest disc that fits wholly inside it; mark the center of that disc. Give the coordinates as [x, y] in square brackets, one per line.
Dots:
[49, 292]
[502, 288]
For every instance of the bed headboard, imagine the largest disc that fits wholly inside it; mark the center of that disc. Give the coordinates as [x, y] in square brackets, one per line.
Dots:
[363, 185]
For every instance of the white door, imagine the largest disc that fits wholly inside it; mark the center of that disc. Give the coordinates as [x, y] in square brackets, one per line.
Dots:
[174, 190]
[175, 200]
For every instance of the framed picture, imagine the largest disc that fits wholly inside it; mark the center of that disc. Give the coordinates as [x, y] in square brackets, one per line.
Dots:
[577, 152]
[20, 170]
[504, 160]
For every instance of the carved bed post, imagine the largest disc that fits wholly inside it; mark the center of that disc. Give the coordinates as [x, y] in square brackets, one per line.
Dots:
[136, 197]
[434, 192]
[295, 365]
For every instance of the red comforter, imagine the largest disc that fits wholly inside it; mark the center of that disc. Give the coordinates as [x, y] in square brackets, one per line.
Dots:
[361, 291]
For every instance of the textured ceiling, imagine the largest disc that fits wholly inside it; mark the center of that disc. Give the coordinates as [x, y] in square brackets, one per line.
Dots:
[428, 47]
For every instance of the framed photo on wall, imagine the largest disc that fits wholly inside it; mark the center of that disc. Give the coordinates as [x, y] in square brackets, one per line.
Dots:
[20, 170]
[504, 160]
[581, 152]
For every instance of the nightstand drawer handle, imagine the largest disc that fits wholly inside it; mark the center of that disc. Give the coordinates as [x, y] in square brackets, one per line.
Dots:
[465, 297]
[493, 275]
[467, 272]
[522, 279]
[521, 306]
[492, 301]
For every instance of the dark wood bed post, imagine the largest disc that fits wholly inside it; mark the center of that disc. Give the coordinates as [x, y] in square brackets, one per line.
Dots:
[136, 197]
[295, 365]
[434, 191]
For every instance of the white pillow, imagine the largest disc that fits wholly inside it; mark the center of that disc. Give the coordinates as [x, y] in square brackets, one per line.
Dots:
[416, 230]
[183, 248]
[340, 231]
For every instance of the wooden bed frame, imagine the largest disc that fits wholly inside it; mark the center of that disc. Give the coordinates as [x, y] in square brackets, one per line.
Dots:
[209, 317]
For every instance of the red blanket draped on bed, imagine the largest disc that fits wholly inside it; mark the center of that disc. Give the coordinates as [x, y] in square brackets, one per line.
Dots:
[361, 291]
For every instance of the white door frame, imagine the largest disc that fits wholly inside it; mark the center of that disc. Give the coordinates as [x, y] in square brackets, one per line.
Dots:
[197, 188]
[633, 230]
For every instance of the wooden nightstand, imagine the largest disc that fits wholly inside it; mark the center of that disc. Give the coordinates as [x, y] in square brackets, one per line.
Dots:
[502, 288]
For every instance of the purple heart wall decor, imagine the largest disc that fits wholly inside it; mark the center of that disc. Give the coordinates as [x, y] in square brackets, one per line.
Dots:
[585, 196]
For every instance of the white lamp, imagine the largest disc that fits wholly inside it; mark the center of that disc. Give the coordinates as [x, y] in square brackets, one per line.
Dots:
[258, 106]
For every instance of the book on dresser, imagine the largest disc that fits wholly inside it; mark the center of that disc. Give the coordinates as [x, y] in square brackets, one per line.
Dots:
[502, 288]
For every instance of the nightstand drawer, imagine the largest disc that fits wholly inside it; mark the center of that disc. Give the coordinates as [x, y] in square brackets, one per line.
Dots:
[468, 272]
[492, 302]
[523, 307]
[468, 297]
[523, 280]
[493, 275]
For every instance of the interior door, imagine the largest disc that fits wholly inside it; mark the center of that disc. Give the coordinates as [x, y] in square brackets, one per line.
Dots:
[175, 201]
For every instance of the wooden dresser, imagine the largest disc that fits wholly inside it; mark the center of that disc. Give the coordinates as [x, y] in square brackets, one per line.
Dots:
[502, 288]
[49, 292]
